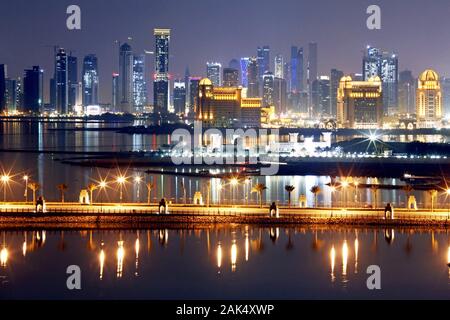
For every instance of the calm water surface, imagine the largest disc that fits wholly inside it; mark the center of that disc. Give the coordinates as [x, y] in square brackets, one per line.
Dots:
[225, 263]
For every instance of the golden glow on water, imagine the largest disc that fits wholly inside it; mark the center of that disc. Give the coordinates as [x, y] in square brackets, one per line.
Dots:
[219, 256]
[344, 258]
[356, 254]
[247, 246]
[233, 256]
[120, 257]
[24, 248]
[333, 261]
[136, 249]
[4, 257]
[102, 263]
[448, 256]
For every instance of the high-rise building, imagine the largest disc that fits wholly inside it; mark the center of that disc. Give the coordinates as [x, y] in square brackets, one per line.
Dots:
[139, 84]
[321, 97]
[244, 71]
[230, 77]
[268, 89]
[225, 107]
[360, 103]
[90, 80]
[280, 95]
[33, 90]
[279, 66]
[193, 94]
[62, 82]
[161, 79]
[253, 78]
[234, 64]
[115, 102]
[406, 93]
[312, 63]
[213, 72]
[385, 66]
[263, 59]
[3, 76]
[72, 81]
[429, 100]
[126, 78]
[179, 97]
[445, 87]
[335, 78]
[297, 73]
[11, 97]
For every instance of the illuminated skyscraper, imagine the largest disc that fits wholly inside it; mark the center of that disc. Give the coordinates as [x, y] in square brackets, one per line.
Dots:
[263, 58]
[244, 71]
[2, 88]
[11, 95]
[61, 82]
[445, 86]
[161, 78]
[230, 77]
[297, 74]
[385, 66]
[253, 78]
[139, 84]
[360, 103]
[312, 63]
[280, 95]
[335, 78]
[213, 72]
[90, 80]
[115, 103]
[193, 94]
[279, 66]
[268, 89]
[33, 90]
[179, 97]
[429, 100]
[126, 79]
[72, 80]
[321, 97]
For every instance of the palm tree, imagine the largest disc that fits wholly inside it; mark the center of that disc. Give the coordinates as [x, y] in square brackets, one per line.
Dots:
[92, 187]
[289, 190]
[407, 189]
[62, 189]
[375, 189]
[34, 186]
[315, 190]
[150, 187]
[433, 194]
[259, 188]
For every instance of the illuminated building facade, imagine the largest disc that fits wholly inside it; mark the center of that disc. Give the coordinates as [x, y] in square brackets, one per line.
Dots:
[115, 101]
[179, 97]
[429, 100]
[193, 93]
[321, 97]
[335, 78]
[360, 103]
[33, 90]
[263, 58]
[90, 80]
[61, 82]
[280, 95]
[268, 89]
[213, 72]
[385, 66]
[244, 71]
[279, 66]
[406, 93]
[225, 107]
[253, 78]
[139, 84]
[230, 77]
[126, 78]
[161, 80]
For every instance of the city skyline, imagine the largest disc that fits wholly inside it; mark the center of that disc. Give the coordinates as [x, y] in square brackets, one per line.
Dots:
[192, 51]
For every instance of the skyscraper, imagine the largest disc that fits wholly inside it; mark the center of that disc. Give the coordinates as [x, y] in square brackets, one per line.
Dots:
[279, 66]
[244, 71]
[321, 97]
[179, 97]
[297, 73]
[312, 62]
[90, 80]
[126, 78]
[385, 66]
[335, 78]
[268, 89]
[279, 95]
[234, 64]
[11, 95]
[406, 93]
[253, 78]
[161, 79]
[263, 58]
[115, 102]
[360, 103]
[445, 86]
[193, 94]
[2, 87]
[139, 84]
[72, 81]
[33, 90]
[429, 100]
[62, 82]
[230, 77]
[213, 73]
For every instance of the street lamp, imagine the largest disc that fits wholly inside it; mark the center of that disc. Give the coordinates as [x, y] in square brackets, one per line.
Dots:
[233, 183]
[102, 186]
[5, 179]
[26, 178]
[138, 181]
[121, 181]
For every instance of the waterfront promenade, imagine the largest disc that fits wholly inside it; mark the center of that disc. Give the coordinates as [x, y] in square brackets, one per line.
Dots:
[134, 215]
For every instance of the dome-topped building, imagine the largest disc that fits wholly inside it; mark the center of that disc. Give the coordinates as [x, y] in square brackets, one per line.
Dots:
[429, 100]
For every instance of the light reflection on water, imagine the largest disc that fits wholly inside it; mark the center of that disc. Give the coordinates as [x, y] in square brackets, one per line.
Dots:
[226, 262]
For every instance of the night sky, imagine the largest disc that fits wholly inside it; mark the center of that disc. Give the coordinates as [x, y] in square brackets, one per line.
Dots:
[202, 30]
